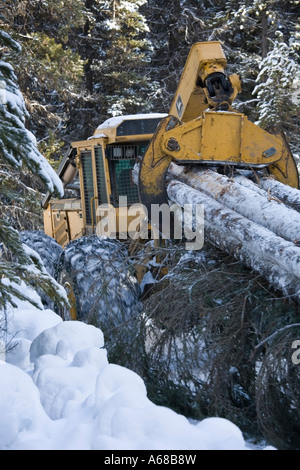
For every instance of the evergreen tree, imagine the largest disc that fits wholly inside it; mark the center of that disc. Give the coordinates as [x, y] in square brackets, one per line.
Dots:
[174, 27]
[276, 81]
[50, 71]
[266, 34]
[17, 144]
[120, 55]
[170, 35]
[19, 264]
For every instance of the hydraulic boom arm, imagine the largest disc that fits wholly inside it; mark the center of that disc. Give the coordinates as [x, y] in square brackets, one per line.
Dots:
[202, 128]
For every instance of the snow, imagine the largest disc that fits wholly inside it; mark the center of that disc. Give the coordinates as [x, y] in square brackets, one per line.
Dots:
[41, 271]
[18, 144]
[98, 136]
[148, 279]
[59, 392]
[264, 210]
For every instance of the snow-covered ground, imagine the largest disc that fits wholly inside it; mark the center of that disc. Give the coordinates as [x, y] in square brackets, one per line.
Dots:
[58, 391]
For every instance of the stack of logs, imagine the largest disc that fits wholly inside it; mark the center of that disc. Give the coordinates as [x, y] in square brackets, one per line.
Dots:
[258, 222]
[254, 218]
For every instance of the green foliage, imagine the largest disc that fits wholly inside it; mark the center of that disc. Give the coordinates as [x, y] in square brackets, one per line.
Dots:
[58, 17]
[56, 68]
[276, 89]
[119, 69]
[20, 265]
[54, 17]
[18, 145]
[51, 149]
[20, 205]
[50, 72]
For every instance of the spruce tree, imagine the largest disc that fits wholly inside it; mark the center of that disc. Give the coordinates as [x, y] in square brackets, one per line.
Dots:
[264, 35]
[119, 65]
[20, 266]
[275, 83]
[50, 71]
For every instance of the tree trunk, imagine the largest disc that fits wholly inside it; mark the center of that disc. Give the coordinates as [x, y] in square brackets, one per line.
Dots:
[264, 34]
[275, 259]
[256, 205]
[290, 196]
[243, 220]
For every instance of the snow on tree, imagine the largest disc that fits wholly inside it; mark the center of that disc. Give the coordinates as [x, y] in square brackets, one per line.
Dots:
[17, 146]
[277, 88]
[261, 38]
[119, 65]
[51, 72]
[17, 143]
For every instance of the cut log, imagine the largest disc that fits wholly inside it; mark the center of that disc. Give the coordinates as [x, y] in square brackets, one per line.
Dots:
[286, 194]
[290, 196]
[257, 247]
[248, 201]
[248, 183]
[245, 220]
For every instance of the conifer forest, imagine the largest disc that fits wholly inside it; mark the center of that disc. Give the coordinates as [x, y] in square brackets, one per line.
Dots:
[212, 337]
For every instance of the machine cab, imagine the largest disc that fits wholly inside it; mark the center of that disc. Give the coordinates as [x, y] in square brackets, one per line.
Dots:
[101, 166]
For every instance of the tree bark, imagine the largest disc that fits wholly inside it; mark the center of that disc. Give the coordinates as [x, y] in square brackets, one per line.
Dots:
[257, 205]
[277, 260]
[243, 220]
[290, 196]
[264, 34]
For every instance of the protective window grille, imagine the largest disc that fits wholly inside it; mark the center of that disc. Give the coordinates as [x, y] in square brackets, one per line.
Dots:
[123, 152]
[101, 184]
[138, 126]
[88, 185]
[121, 161]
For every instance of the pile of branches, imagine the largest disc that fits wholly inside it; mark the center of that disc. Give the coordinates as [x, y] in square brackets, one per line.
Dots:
[220, 343]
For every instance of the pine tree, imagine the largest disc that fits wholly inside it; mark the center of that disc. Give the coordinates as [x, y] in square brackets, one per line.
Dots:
[17, 144]
[50, 72]
[118, 66]
[19, 265]
[275, 83]
[172, 26]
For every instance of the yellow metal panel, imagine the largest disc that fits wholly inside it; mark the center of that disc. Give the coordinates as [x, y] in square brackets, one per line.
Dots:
[189, 138]
[48, 221]
[224, 137]
[285, 170]
[221, 136]
[195, 106]
[60, 227]
[258, 146]
[210, 51]
[75, 224]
